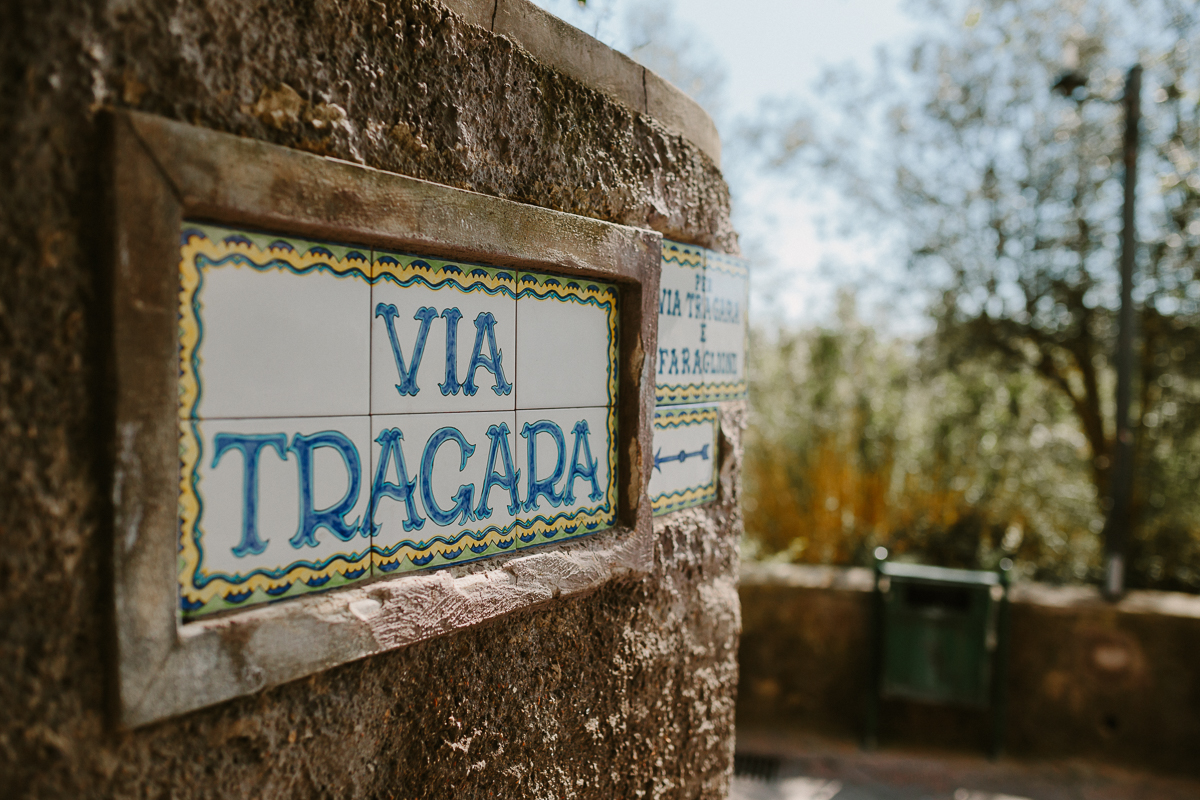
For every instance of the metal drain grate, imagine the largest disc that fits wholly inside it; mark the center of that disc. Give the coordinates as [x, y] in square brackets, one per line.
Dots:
[763, 768]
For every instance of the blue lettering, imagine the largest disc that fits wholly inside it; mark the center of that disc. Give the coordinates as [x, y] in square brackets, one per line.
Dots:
[545, 487]
[451, 385]
[485, 325]
[250, 445]
[408, 377]
[499, 436]
[585, 470]
[466, 492]
[389, 439]
[333, 518]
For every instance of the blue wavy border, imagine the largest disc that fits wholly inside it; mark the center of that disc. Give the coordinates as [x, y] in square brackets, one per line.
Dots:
[672, 417]
[613, 329]
[666, 394]
[542, 289]
[450, 280]
[677, 393]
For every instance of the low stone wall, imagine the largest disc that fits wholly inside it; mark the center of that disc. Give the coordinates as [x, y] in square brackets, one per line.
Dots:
[1112, 682]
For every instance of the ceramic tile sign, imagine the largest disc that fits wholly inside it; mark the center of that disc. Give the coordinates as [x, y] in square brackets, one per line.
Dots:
[701, 326]
[685, 457]
[347, 413]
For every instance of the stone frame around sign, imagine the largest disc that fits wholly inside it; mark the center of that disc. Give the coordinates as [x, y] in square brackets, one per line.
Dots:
[164, 172]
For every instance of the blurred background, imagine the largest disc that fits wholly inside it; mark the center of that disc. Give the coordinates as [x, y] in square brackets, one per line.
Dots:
[931, 195]
[934, 225]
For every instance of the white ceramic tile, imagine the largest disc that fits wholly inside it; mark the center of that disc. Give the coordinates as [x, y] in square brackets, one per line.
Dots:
[685, 457]
[723, 335]
[568, 486]
[431, 511]
[280, 332]
[680, 312]
[430, 299]
[702, 326]
[280, 502]
[566, 342]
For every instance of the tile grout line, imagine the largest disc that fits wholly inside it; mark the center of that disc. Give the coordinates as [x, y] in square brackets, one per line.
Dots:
[371, 410]
[373, 255]
[516, 339]
[516, 358]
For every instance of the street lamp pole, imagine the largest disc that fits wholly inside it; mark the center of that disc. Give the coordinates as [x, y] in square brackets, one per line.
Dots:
[1117, 527]
[1120, 485]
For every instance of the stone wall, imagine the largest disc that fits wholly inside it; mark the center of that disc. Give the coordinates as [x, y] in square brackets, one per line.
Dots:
[1087, 679]
[627, 692]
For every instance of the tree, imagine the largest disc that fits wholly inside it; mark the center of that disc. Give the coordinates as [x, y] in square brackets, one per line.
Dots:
[1004, 198]
[853, 443]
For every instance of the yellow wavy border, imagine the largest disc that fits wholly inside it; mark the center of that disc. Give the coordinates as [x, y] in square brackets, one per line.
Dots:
[685, 416]
[606, 292]
[580, 288]
[679, 394]
[210, 241]
[685, 255]
[696, 257]
[697, 495]
[730, 265]
[403, 557]
[468, 277]
[665, 504]
[582, 518]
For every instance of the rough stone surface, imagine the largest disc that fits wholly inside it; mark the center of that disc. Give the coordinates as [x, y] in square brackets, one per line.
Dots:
[626, 692]
[1087, 679]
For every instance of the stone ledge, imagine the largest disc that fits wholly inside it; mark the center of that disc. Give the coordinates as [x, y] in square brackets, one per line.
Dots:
[593, 63]
[230, 656]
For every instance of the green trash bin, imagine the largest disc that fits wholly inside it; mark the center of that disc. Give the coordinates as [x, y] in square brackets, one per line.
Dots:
[939, 636]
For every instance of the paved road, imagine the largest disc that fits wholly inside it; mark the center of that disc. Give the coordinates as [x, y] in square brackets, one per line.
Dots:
[820, 789]
[816, 770]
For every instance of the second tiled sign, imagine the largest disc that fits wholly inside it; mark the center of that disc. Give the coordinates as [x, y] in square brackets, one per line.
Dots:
[701, 326]
[347, 412]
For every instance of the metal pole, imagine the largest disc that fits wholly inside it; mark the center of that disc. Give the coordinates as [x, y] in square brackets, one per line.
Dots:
[875, 668]
[1121, 483]
[1000, 662]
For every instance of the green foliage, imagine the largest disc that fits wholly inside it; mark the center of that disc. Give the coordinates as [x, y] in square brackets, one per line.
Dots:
[1005, 199]
[857, 441]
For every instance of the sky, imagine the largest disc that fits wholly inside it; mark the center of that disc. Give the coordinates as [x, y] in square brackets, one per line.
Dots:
[774, 49]
[778, 47]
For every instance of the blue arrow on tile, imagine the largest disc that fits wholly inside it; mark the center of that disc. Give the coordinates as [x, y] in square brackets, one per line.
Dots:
[681, 456]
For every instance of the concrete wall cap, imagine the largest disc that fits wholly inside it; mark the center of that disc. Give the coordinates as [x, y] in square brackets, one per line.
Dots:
[574, 53]
[860, 579]
[807, 576]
